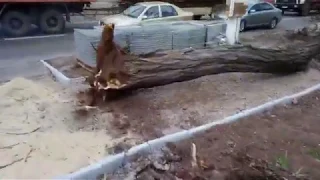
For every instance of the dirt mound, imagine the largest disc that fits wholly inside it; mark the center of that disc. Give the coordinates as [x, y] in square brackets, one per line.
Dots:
[36, 138]
[22, 99]
[24, 89]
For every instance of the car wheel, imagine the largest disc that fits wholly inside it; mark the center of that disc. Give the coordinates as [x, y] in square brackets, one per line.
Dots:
[273, 23]
[242, 26]
[16, 23]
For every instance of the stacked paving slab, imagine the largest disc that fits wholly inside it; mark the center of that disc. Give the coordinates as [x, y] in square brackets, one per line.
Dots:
[150, 38]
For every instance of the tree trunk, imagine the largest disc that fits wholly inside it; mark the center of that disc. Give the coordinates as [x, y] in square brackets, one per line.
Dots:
[167, 67]
[174, 67]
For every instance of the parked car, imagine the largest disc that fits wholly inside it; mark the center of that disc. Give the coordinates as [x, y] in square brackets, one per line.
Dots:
[146, 12]
[261, 14]
[199, 8]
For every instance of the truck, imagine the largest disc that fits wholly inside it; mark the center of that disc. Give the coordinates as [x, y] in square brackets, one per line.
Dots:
[198, 7]
[303, 7]
[18, 16]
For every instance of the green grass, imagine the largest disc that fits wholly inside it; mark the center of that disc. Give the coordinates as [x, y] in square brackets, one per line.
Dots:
[315, 153]
[283, 161]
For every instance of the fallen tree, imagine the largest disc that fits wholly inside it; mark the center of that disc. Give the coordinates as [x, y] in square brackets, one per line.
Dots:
[167, 67]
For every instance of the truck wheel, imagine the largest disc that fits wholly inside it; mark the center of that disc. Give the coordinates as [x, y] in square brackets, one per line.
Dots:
[52, 22]
[304, 11]
[16, 23]
[197, 17]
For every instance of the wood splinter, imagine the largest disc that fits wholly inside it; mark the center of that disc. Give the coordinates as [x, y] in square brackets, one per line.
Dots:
[194, 163]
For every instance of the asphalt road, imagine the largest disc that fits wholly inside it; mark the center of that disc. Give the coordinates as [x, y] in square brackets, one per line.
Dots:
[21, 57]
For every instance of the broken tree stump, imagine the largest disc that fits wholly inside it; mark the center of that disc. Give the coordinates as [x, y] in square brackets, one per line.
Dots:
[167, 67]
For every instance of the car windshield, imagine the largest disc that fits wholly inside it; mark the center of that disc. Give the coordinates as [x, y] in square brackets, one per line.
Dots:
[134, 11]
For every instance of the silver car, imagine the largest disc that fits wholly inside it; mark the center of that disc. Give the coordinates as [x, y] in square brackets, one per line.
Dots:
[259, 15]
[147, 12]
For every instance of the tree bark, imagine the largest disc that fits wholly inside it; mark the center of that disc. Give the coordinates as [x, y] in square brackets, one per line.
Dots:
[167, 67]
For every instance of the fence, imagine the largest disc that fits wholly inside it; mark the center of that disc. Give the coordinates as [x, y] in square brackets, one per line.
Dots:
[150, 38]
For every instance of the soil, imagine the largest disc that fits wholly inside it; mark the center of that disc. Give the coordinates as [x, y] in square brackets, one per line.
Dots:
[315, 63]
[69, 67]
[152, 113]
[279, 144]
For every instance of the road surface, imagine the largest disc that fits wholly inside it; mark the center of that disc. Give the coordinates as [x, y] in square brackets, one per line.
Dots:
[20, 57]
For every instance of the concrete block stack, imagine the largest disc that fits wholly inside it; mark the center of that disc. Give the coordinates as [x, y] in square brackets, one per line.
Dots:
[149, 38]
[213, 33]
[84, 39]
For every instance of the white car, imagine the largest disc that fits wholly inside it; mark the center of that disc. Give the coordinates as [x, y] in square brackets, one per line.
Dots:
[146, 12]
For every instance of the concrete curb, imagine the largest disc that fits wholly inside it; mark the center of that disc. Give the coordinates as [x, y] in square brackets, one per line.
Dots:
[112, 163]
[57, 75]
[60, 77]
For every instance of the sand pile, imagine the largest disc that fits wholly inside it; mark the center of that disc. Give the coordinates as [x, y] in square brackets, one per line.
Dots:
[53, 148]
[25, 102]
